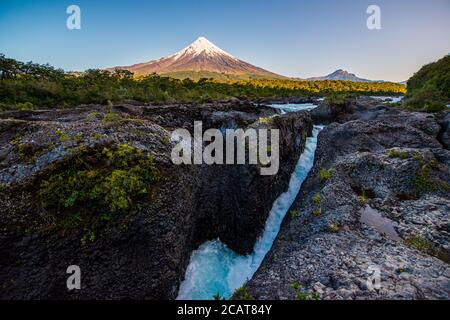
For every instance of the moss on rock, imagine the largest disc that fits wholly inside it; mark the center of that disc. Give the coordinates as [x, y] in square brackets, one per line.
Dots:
[111, 177]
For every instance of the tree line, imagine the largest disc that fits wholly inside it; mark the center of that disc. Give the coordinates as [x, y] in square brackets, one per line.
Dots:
[31, 85]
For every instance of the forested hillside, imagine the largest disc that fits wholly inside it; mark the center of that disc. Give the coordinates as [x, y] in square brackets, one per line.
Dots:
[429, 88]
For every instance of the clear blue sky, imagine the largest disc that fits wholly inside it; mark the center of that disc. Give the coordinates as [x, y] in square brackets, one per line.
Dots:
[290, 37]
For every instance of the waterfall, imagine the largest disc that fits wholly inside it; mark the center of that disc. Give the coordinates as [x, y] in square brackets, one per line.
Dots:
[215, 269]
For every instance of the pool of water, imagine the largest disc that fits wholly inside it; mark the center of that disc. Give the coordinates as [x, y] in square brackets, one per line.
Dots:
[374, 219]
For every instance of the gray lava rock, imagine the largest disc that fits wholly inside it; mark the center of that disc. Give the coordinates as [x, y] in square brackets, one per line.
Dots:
[394, 161]
[141, 252]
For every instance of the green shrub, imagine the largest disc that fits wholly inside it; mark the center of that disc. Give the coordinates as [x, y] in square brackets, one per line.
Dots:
[423, 182]
[25, 106]
[363, 198]
[393, 153]
[317, 212]
[79, 137]
[295, 286]
[63, 136]
[165, 140]
[301, 294]
[317, 199]
[97, 136]
[242, 293]
[307, 296]
[109, 178]
[92, 116]
[26, 150]
[266, 120]
[417, 157]
[325, 174]
[419, 243]
[87, 237]
[111, 118]
[293, 213]
[338, 100]
[333, 227]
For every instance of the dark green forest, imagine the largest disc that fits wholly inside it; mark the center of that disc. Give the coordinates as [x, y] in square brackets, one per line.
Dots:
[429, 88]
[29, 85]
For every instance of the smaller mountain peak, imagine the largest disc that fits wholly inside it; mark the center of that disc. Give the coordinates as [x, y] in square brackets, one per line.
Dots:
[341, 74]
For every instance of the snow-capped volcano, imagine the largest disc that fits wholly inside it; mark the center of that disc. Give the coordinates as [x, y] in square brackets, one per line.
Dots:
[202, 46]
[202, 58]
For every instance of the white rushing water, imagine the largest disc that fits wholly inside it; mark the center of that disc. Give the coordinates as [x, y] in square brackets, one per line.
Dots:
[215, 269]
[291, 107]
[393, 99]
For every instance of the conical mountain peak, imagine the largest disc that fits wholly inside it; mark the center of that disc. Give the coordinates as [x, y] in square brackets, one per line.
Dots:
[201, 58]
[202, 46]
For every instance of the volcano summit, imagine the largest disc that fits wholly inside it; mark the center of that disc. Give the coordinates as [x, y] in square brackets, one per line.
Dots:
[200, 59]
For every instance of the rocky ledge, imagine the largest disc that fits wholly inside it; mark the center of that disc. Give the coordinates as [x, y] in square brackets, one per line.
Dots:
[95, 187]
[375, 209]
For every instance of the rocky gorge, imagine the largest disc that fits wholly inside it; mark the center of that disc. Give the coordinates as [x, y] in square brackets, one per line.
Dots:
[73, 193]
[376, 198]
[376, 203]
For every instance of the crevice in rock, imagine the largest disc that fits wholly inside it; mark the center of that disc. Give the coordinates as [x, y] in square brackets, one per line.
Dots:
[143, 251]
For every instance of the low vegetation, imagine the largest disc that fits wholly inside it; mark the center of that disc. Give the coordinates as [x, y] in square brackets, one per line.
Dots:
[333, 227]
[317, 211]
[87, 237]
[266, 120]
[325, 174]
[104, 179]
[419, 243]
[111, 118]
[317, 199]
[63, 136]
[393, 153]
[363, 198]
[165, 140]
[423, 181]
[293, 213]
[242, 293]
[302, 294]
